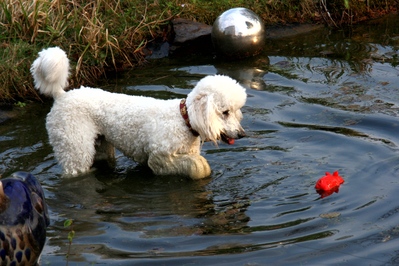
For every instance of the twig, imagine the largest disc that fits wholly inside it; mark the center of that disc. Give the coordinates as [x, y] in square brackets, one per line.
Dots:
[323, 2]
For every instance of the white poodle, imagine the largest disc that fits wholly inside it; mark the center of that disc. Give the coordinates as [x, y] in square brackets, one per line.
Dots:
[163, 134]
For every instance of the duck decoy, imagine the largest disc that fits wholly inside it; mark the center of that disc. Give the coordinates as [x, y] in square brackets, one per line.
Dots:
[23, 220]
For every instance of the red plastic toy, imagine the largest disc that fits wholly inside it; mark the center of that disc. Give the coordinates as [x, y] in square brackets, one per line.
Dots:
[328, 184]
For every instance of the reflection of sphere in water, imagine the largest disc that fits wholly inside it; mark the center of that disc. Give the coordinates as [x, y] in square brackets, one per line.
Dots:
[238, 33]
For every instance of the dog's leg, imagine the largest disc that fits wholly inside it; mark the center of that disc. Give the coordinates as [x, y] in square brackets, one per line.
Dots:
[194, 165]
[74, 158]
[105, 152]
[73, 144]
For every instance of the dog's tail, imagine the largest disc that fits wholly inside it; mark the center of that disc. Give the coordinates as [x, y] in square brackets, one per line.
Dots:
[50, 72]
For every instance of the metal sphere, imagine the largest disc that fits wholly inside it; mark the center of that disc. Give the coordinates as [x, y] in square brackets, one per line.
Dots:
[238, 33]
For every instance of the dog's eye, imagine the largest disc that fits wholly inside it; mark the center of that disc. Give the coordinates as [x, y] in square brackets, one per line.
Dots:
[226, 113]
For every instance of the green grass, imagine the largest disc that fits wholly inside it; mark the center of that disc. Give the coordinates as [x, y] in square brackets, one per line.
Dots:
[110, 35]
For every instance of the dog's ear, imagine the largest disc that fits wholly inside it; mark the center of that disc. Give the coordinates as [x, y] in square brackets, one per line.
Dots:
[204, 117]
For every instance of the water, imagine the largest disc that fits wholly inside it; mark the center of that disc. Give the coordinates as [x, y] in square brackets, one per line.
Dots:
[323, 101]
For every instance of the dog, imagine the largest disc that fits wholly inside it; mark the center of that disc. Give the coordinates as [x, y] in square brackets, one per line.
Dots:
[165, 135]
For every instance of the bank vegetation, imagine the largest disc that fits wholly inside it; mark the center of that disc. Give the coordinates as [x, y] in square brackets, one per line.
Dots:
[102, 36]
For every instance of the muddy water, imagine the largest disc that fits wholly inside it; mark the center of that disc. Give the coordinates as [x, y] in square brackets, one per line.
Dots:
[318, 102]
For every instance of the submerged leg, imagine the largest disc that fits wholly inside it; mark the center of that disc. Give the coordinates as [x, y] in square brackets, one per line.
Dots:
[74, 157]
[105, 153]
[73, 145]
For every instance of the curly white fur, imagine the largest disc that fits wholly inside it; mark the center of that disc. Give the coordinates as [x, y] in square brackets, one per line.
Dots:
[148, 130]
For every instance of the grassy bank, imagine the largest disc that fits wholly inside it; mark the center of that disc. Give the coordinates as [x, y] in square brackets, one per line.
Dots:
[110, 35]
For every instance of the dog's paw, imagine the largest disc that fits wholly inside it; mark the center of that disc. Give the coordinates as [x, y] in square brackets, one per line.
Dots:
[193, 166]
[199, 168]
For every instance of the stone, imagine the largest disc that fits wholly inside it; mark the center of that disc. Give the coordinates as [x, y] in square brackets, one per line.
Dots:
[187, 30]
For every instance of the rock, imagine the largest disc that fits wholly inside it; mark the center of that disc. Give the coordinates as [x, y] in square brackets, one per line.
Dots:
[191, 38]
[187, 30]
[157, 50]
[6, 112]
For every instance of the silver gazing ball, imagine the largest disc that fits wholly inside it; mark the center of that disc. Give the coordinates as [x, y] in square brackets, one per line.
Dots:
[238, 33]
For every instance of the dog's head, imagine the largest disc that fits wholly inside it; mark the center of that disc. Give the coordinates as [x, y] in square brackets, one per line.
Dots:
[214, 106]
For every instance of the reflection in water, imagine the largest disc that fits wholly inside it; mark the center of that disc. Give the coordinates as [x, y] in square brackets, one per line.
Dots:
[319, 102]
[154, 207]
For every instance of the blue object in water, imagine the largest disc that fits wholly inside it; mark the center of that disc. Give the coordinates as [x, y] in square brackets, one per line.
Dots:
[23, 219]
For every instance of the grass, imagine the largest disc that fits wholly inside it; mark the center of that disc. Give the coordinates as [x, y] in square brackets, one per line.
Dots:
[111, 35]
[71, 234]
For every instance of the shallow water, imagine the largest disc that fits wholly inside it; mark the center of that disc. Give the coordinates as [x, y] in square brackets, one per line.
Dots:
[318, 102]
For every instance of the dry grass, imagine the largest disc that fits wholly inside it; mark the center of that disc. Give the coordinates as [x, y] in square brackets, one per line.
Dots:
[110, 35]
[99, 36]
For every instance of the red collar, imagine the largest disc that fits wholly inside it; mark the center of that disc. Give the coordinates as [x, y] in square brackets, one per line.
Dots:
[184, 114]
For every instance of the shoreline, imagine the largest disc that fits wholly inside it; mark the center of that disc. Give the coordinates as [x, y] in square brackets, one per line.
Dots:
[105, 37]
[11, 110]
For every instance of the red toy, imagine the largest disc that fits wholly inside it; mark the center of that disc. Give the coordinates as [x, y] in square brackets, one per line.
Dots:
[328, 184]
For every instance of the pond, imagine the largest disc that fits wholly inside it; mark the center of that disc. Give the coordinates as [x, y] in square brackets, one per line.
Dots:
[319, 102]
